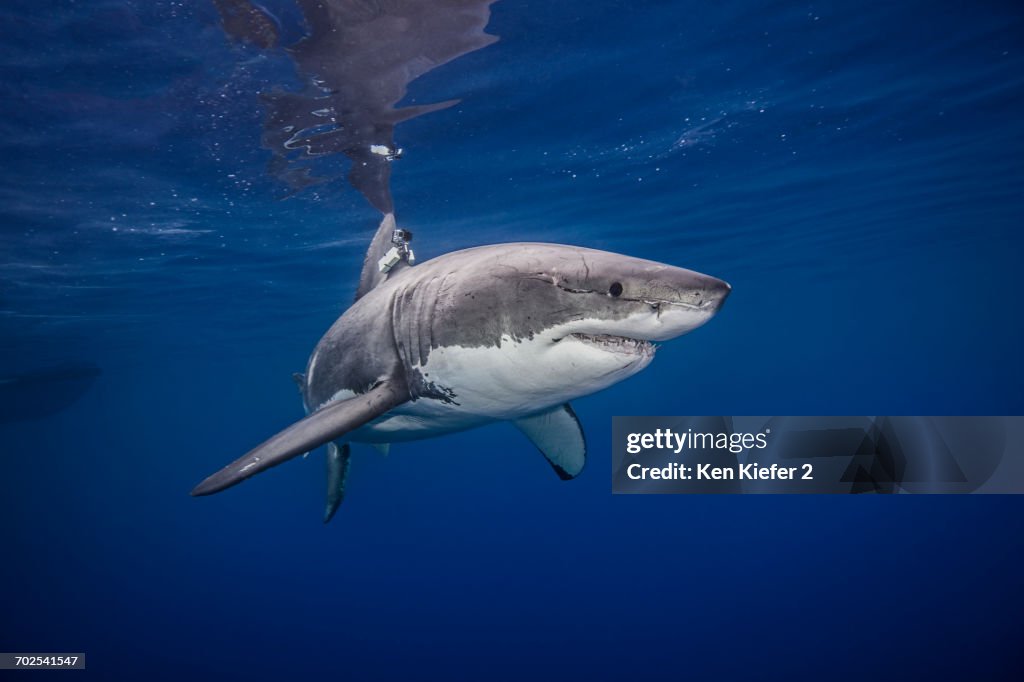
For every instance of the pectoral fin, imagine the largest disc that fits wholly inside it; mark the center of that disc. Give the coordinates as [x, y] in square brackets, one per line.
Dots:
[326, 424]
[338, 459]
[558, 435]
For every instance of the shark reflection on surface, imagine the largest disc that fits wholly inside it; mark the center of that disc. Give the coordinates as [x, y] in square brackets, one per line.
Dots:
[356, 60]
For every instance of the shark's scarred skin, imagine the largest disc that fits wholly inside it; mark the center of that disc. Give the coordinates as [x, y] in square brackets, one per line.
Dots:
[503, 332]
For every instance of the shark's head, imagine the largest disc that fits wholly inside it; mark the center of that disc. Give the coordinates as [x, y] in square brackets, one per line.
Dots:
[564, 321]
[619, 305]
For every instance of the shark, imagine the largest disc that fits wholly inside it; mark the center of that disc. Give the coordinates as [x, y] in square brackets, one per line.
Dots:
[504, 332]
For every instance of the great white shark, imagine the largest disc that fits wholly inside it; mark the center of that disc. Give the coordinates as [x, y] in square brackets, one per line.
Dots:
[506, 332]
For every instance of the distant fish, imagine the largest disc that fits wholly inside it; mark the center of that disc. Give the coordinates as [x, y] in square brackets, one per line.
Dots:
[43, 392]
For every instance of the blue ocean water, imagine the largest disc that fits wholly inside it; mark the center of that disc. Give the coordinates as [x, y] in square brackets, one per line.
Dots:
[854, 170]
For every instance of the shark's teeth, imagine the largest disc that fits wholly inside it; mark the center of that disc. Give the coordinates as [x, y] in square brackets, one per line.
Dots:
[616, 343]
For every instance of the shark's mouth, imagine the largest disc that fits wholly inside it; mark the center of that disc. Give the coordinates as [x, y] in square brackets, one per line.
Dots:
[616, 344]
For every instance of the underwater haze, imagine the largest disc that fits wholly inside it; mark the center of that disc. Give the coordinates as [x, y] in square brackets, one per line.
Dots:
[855, 170]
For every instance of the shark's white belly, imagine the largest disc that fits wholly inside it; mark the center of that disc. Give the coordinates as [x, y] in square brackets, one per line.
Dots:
[497, 383]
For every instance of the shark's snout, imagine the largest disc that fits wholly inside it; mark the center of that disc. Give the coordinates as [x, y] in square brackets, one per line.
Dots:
[715, 292]
[681, 301]
[692, 290]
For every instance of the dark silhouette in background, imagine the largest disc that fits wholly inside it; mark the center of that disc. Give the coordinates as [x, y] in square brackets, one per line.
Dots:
[43, 392]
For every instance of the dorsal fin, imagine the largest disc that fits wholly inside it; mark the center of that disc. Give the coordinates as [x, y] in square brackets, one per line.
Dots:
[380, 245]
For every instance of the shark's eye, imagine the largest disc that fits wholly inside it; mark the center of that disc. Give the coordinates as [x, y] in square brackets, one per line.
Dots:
[615, 289]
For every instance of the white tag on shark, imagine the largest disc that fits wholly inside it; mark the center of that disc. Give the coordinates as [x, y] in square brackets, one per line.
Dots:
[558, 435]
